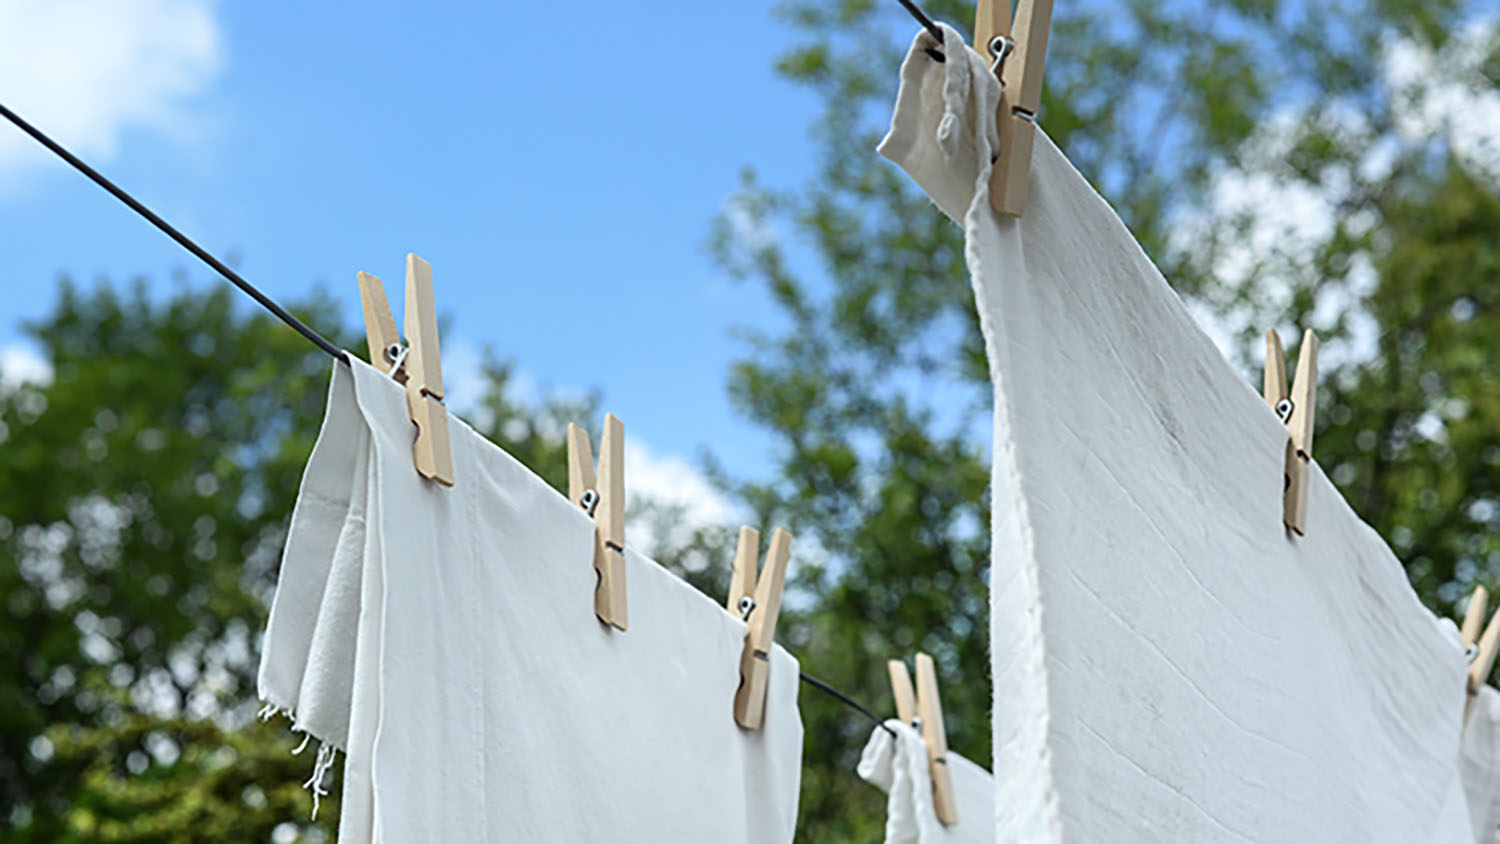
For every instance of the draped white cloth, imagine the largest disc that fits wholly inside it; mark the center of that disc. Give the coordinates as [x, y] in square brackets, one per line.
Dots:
[1169, 663]
[445, 639]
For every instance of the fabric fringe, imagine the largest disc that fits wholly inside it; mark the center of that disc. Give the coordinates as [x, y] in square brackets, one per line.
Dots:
[327, 754]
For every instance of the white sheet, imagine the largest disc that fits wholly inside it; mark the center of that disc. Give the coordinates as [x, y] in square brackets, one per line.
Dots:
[446, 640]
[898, 766]
[1169, 663]
[1481, 766]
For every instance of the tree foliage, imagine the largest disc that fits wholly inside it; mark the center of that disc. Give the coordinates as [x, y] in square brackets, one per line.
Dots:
[145, 492]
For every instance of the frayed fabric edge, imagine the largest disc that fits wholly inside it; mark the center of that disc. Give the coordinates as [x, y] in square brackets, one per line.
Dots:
[322, 763]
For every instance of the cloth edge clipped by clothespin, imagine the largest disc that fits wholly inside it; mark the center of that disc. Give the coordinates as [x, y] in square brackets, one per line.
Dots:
[1488, 645]
[1297, 410]
[1021, 73]
[419, 368]
[602, 496]
[925, 705]
[761, 614]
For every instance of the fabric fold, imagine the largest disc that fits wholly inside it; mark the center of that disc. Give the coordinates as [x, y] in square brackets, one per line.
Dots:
[445, 640]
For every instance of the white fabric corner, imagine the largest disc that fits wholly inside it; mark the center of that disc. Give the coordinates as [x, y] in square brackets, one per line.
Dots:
[445, 639]
[1170, 664]
[931, 137]
[897, 765]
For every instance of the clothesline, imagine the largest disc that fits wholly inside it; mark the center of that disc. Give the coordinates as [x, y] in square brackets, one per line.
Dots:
[281, 313]
[927, 24]
[203, 254]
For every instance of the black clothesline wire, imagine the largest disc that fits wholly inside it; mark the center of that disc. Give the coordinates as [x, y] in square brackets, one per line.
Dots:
[849, 701]
[270, 305]
[182, 239]
[927, 24]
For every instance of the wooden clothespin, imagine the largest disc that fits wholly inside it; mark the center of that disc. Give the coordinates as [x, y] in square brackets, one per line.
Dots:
[760, 611]
[1019, 61]
[1483, 659]
[924, 709]
[1297, 413]
[419, 365]
[605, 501]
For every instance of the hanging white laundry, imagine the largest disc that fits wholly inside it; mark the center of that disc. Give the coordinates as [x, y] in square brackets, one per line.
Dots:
[1169, 663]
[1453, 819]
[445, 640]
[1481, 766]
[898, 766]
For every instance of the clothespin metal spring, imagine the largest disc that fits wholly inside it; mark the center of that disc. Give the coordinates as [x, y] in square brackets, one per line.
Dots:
[395, 355]
[1001, 46]
[1284, 410]
[590, 501]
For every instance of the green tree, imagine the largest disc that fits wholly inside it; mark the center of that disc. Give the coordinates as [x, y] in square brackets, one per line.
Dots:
[1412, 434]
[1273, 160]
[145, 493]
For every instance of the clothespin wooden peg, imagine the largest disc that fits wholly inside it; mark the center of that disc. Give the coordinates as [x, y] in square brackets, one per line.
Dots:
[741, 577]
[925, 708]
[380, 326]
[760, 611]
[1020, 62]
[419, 365]
[1485, 646]
[604, 500]
[1474, 618]
[1297, 412]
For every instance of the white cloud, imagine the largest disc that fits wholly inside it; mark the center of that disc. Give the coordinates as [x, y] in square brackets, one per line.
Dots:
[85, 71]
[674, 482]
[463, 373]
[671, 480]
[20, 364]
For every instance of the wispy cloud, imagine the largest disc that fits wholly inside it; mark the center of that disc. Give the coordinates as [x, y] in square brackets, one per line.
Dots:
[463, 374]
[85, 72]
[20, 364]
[675, 483]
[671, 480]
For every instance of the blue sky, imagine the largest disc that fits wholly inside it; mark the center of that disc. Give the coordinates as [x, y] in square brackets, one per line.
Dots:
[559, 173]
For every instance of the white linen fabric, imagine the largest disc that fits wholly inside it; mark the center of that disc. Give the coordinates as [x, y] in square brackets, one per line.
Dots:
[1481, 766]
[445, 639]
[1169, 663]
[897, 765]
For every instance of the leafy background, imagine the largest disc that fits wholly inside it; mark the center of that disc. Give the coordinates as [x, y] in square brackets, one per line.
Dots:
[1286, 164]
